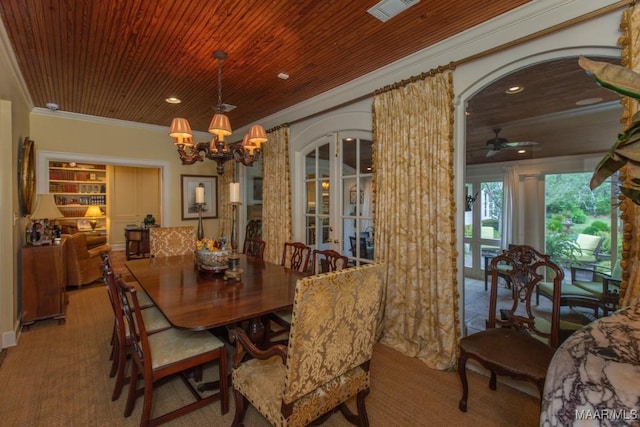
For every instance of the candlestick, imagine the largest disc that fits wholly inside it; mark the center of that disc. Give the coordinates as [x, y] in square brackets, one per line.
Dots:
[200, 207]
[200, 194]
[234, 192]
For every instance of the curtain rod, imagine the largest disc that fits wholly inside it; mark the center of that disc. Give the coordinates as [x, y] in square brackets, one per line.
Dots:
[452, 65]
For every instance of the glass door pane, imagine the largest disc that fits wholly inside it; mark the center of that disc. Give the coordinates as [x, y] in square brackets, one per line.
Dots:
[357, 186]
[482, 224]
[318, 197]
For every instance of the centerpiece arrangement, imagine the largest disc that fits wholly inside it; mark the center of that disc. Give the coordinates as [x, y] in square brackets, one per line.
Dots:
[212, 255]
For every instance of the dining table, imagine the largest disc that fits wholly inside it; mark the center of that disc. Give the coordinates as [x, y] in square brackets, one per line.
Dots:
[194, 299]
[594, 376]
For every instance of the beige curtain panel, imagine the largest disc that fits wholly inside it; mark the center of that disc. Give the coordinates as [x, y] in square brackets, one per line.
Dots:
[276, 194]
[414, 216]
[630, 212]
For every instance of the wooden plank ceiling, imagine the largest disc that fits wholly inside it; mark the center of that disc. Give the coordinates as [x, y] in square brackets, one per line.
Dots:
[120, 59]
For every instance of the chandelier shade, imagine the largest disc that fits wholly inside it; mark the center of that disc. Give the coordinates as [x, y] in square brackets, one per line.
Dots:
[257, 135]
[246, 152]
[220, 126]
[181, 131]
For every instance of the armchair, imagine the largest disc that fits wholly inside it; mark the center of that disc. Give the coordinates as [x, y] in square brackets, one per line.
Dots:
[83, 264]
[326, 363]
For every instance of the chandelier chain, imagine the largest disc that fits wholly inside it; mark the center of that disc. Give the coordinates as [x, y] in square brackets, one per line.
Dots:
[220, 110]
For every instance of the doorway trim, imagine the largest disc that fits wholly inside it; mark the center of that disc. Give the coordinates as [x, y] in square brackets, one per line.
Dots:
[499, 71]
[43, 158]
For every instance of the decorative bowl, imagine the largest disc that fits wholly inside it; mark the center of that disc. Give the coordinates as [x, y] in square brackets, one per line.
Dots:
[212, 261]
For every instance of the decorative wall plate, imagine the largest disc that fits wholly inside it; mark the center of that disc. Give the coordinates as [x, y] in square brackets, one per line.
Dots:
[27, 177]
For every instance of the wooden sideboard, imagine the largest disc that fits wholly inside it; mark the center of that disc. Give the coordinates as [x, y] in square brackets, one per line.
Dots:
[44, 281]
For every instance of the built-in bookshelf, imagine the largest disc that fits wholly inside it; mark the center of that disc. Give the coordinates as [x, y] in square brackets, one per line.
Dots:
[75, 187]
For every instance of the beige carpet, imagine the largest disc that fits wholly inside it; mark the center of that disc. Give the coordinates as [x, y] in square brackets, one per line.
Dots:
[58, 376]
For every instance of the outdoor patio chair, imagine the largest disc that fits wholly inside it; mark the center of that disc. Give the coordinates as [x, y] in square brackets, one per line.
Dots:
[588, 249]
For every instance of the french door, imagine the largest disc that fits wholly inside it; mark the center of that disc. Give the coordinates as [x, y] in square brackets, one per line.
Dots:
[482, 224]
[338, 194]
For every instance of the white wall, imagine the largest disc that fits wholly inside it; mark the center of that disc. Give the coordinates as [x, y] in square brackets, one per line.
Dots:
[14, 128]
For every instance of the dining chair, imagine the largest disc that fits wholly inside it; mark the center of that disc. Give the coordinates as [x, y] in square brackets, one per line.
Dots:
[253, 229]
[143, 297]
[324, 261]
[328, 356]
[254, 247]
[366, 250]
[158, 356]
[516, 343]
[121, 336]
[169, 241]
[295, 256]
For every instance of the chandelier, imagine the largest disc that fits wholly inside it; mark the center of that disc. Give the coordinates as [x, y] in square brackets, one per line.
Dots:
[217, 150]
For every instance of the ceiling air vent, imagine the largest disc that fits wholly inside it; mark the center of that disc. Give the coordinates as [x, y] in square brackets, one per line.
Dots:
[387, 9]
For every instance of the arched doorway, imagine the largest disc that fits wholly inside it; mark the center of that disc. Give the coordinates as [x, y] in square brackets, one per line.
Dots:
[487, 176]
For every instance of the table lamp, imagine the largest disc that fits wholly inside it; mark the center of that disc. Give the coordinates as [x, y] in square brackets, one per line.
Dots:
[93, 212]
[44, 212]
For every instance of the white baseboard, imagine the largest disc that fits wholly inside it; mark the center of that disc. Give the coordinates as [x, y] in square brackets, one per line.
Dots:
[9, 339]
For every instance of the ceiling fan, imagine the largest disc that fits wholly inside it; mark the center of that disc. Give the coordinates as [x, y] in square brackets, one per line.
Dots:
[496, 144]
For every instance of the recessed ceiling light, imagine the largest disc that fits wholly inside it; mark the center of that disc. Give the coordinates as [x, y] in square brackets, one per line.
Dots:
[522, 151]
[173, 100]
[514, 89]
[283, 76]
[588, 101]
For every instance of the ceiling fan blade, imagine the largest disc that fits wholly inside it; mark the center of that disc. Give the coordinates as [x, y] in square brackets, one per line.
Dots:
[514, 144]
[491, 152]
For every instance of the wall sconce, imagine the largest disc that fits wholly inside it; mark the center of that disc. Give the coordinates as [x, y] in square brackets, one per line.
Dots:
[470, 200]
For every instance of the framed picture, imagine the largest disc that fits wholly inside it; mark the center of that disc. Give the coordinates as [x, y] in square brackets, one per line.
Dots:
[257, 188]
[353, 196]
[188, 196]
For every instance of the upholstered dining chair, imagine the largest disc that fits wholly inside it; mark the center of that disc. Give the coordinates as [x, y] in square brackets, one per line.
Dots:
[254, 247]
[327, 359]
[295, 256]
[155, 357]
[324, 261]
[121, 339]
[168, 241]
[516, 343]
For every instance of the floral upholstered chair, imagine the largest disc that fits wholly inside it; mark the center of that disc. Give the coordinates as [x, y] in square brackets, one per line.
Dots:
[326, 363]
[168, 241]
